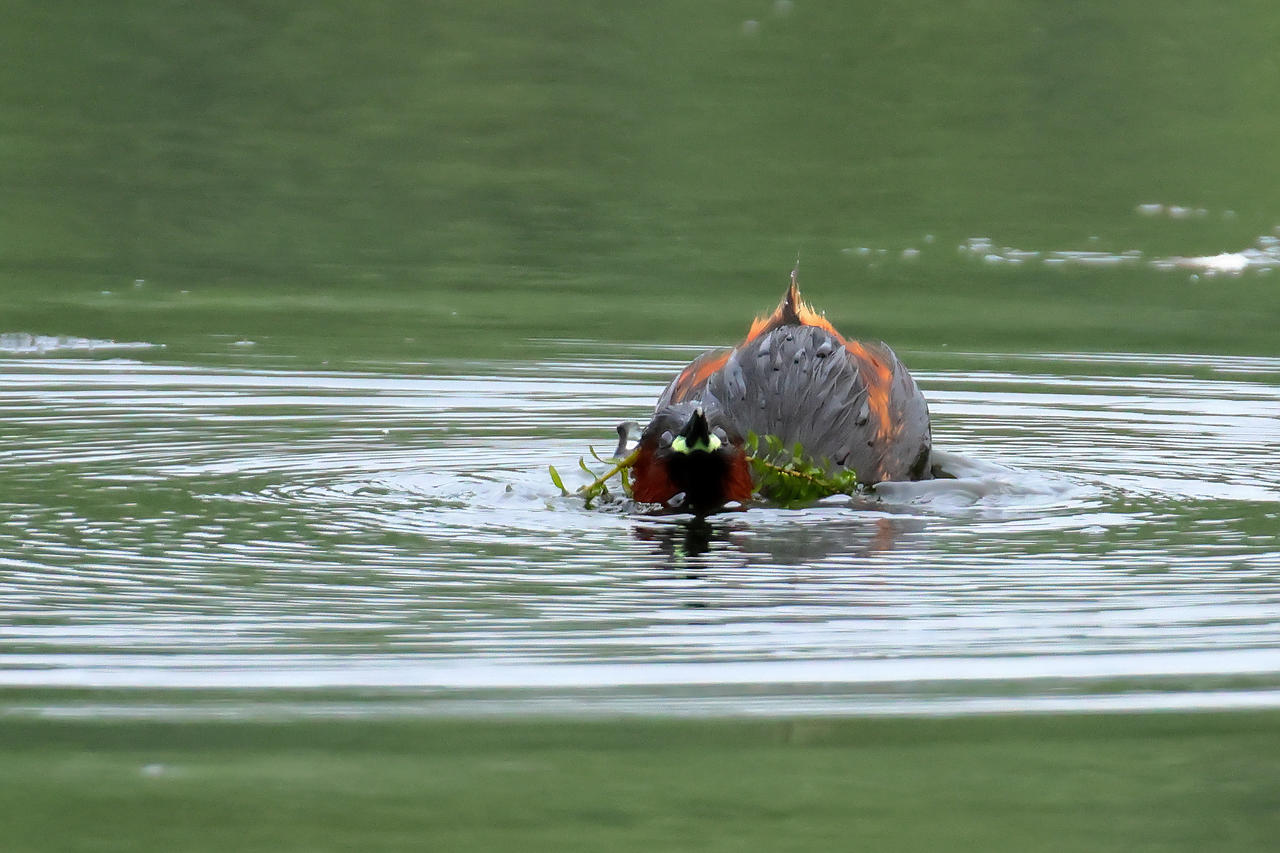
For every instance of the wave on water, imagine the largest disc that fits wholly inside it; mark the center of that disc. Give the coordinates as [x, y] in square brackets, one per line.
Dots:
[25, 343]
[970, 481]
[1262, 257]
[178, 527]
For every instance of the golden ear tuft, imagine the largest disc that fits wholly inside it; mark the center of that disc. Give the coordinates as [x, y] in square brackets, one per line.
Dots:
[791, 311]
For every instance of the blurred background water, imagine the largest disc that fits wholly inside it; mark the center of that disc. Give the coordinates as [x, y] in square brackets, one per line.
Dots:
[297, 302]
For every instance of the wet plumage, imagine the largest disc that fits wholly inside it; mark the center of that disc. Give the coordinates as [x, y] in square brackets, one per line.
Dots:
[848, 403]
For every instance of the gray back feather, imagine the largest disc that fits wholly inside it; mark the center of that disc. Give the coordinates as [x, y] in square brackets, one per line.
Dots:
[801, 384]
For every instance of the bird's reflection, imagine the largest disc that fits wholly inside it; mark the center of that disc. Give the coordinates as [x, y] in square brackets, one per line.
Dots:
[683, 541]
[731, 540]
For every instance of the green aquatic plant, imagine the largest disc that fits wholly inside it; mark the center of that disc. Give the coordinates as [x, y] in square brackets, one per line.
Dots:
[789, 477]
[599, 486]
[783, 476]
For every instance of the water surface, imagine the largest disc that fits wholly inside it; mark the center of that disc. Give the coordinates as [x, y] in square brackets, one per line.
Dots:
[383, 536]
[297, 303]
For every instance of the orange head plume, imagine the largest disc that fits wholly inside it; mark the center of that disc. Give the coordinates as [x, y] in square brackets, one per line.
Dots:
[791, 311]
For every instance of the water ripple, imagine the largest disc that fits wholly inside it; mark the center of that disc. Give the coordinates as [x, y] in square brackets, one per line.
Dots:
[177, 526]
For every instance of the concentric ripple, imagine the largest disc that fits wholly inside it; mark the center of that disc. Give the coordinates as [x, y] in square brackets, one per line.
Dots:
[390, 529]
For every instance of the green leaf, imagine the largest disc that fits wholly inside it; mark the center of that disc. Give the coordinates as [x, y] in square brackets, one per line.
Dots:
[599, 485]
[792, 479]
[555, 478]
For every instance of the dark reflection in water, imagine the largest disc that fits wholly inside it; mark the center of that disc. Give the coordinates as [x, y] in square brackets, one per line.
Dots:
[681, 544]
[845, 537]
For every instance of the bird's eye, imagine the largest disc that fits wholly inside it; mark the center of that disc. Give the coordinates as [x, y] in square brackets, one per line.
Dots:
[665, 439]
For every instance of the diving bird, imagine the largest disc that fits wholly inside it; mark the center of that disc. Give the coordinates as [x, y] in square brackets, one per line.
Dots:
[848, 403]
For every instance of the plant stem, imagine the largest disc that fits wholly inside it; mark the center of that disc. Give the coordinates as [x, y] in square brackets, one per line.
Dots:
[790, 472]
[620, 466]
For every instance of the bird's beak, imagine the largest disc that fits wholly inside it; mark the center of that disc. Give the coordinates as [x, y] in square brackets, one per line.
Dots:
[696, 435]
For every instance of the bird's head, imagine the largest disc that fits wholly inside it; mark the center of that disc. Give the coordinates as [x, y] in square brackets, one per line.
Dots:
[685, 452]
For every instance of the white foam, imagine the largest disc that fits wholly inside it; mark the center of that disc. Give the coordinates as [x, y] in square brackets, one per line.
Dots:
[24, 343]
[979, 482]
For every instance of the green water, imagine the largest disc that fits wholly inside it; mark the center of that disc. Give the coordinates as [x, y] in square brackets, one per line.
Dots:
[297, 301]
[1046, 783]
[340, 181]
